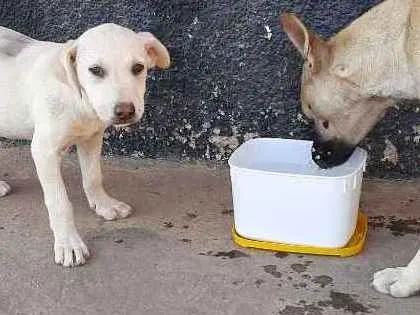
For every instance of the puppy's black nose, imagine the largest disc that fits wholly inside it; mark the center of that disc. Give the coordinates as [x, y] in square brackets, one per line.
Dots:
[124, 111]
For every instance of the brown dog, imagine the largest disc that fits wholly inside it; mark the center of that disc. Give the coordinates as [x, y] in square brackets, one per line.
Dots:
[349, 81]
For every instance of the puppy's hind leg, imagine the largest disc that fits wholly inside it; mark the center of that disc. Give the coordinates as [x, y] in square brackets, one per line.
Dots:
[4, 188]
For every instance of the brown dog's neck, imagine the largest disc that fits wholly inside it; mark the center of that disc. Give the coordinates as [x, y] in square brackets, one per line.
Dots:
[373, 47]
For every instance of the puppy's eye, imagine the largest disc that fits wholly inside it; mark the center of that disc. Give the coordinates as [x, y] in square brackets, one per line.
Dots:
[97, 71]
[326, 124]
[137, 69]
[309, 107]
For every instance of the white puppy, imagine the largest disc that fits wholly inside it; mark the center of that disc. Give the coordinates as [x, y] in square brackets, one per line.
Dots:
[63, 94]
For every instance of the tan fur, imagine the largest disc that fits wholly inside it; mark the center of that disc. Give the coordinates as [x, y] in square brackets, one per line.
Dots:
[364, 66]
[351, 79]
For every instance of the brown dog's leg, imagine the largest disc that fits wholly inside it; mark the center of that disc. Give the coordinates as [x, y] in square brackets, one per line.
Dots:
[4, 188]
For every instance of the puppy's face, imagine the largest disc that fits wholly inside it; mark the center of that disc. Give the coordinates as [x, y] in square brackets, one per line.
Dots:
[110, 65]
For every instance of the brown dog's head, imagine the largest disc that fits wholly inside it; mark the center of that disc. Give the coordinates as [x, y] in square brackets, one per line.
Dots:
[331, 96]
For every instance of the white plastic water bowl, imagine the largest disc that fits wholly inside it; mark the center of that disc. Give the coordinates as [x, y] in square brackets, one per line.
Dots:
[281, 195]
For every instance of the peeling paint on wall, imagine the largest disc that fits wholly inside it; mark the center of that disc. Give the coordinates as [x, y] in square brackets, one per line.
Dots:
[223, 143]
[390, 153]
[416, 138]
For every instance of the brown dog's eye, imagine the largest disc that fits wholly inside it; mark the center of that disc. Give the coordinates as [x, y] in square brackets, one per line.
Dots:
[137, 69]
[309, 106]
[97, 71]
[326, 124]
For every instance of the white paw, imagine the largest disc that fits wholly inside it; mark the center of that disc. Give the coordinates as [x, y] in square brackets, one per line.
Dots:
[397, 282]
[110, 208]
[4, 188]
[70, 250]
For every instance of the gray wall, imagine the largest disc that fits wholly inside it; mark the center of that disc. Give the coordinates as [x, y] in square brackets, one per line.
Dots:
[228, 82]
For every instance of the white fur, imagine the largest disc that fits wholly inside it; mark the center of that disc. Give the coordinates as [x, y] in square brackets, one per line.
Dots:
[4, 188]
[50, 96]
[399, 281]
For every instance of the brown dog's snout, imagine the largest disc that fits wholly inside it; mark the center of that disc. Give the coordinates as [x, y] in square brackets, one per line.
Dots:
[124, 111]
[331, 153]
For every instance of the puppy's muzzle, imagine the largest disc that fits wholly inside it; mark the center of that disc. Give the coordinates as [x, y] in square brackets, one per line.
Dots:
[124, 113]
[331, 153]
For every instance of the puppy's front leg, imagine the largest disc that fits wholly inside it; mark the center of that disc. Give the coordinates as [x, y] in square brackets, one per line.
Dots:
[400, 281]
[69, 248]
[89, 152]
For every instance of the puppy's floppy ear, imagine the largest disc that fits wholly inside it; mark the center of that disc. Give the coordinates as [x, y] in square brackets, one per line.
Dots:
[68, 60]
[157, 53]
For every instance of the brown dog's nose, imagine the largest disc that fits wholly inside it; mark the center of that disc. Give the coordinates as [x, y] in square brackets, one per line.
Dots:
[331, 153]
[124, 111]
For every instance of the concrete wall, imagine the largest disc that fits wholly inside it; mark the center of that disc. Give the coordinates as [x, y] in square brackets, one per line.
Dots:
[229, 80]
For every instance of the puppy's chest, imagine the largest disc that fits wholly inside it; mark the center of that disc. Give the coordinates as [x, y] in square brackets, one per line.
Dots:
[78, 132]
[81, 130]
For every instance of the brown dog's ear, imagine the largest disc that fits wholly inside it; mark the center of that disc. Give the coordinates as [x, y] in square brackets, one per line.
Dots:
[309, 45]
[296, 31]
[68, 60]
[157, 52]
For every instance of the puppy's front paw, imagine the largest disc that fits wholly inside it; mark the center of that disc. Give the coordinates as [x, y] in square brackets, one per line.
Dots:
[110, 208]
[397, 282]
[4, 188]
[70, 250]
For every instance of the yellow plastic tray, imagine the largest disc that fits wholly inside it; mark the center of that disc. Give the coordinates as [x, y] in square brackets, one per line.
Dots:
[354, 246]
